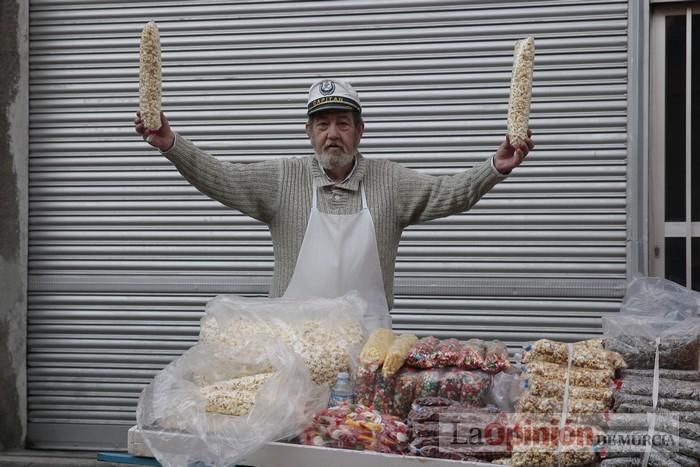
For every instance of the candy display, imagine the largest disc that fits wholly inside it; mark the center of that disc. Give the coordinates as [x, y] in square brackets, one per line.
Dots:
[394, 395]
[349, 426]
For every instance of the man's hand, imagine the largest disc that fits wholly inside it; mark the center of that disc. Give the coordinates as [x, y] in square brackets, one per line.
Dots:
[508, 157]
[162, 139]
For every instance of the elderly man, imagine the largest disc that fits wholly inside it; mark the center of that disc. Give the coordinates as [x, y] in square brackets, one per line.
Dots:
[335, 218]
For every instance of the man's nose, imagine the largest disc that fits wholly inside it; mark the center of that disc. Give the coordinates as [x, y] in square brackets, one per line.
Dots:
[333, 131]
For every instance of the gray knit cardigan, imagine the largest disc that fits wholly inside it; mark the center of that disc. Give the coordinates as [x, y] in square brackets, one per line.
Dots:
[278, 193]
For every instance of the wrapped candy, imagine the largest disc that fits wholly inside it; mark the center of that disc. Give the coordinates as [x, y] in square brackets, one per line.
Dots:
[475, 386]
[384, 393]
[365, 380]
[449, 353]
[404, 392]
[429, 383]
[473, 354]
[349, 426]
[424, 353]
[496, 357]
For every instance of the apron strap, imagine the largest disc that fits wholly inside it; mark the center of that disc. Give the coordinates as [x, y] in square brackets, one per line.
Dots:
[313, 196]
[364, 197]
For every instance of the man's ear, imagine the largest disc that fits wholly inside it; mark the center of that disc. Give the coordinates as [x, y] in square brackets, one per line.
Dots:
[308, 129]
[360, 130]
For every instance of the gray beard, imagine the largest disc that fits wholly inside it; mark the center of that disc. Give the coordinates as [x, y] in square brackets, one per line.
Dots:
[331, 162]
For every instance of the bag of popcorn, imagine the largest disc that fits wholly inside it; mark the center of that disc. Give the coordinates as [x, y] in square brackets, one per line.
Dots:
[215, 404]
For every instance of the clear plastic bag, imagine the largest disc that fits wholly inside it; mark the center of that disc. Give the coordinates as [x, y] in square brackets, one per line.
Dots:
[172, 410]
[661, 298]
[634, 337]
[656, 308]
[327, 333]
[506, 388]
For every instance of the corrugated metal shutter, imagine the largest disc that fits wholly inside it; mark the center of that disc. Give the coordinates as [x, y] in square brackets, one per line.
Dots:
[124, 253]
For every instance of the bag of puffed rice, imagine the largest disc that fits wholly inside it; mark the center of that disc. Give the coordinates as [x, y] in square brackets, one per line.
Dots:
[215, 405]
[326, 332]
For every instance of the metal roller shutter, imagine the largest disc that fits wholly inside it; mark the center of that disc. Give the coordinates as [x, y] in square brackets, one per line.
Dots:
[124, 253]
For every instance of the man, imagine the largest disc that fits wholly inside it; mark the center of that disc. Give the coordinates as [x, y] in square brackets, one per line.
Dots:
[335, 218]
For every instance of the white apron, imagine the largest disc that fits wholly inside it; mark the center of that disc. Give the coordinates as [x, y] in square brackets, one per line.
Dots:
[339, 254]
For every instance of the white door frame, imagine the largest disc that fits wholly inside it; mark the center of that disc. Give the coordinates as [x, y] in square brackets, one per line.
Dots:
[659, 229]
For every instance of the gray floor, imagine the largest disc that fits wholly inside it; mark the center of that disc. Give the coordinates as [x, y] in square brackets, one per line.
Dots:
[27, 458]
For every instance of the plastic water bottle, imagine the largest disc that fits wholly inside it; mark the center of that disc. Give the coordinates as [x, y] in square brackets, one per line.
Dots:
[342, 391]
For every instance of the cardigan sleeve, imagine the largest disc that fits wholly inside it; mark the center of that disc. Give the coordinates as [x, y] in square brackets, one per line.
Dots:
[252, 188]
[423, 197]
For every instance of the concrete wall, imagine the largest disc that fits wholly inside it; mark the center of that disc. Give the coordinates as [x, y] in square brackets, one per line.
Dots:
[14, 157]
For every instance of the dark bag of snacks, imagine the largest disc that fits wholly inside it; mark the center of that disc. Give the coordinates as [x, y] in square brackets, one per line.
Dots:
[634, 337]
[656, 309]
[667, 388]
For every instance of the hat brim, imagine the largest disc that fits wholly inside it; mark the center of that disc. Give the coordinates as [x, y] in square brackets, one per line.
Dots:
[332, 102]
[321, 108]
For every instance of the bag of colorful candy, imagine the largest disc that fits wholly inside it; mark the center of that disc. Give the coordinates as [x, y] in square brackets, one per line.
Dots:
[350, 426]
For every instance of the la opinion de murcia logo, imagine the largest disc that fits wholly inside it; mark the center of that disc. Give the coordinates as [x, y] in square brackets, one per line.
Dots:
[327, 87]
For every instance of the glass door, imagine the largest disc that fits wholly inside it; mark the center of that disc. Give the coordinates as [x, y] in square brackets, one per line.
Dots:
[675, 144]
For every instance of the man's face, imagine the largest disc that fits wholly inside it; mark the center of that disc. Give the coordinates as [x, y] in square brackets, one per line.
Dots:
[335, 137]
